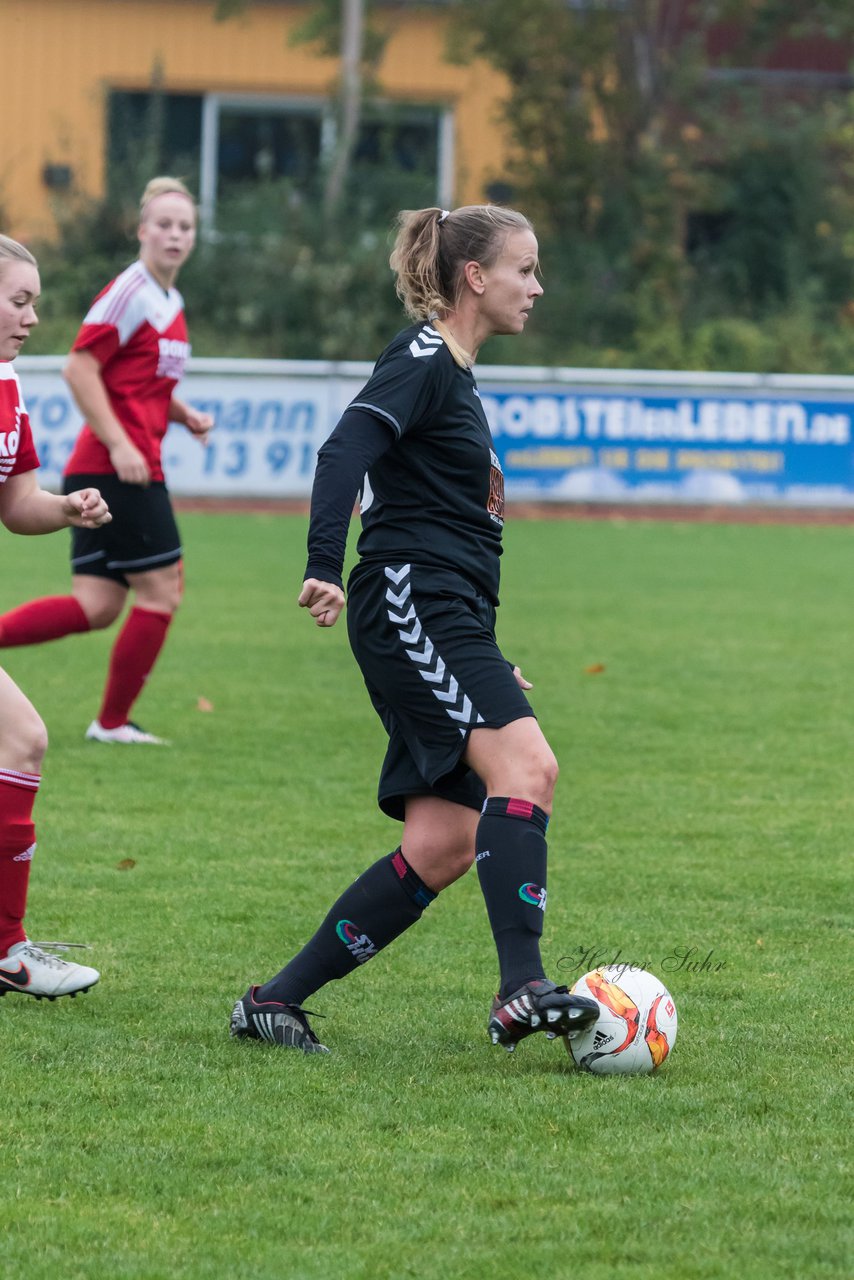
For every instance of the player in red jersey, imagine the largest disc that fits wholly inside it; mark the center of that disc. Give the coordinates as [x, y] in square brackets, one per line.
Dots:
[25, 508]
[123, 369]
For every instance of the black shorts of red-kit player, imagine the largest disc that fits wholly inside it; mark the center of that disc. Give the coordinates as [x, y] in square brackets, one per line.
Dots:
[141, 537]
[379, 906]
[511, 855]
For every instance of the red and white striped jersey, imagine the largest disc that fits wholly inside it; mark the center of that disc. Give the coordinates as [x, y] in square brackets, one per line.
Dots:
[136, 331]
[17, 451]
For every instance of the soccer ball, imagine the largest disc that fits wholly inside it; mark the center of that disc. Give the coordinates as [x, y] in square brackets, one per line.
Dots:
[636, 1027]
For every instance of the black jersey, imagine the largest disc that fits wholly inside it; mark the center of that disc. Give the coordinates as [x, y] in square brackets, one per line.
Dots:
[436, 496]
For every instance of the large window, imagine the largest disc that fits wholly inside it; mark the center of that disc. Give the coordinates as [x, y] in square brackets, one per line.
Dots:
[228, 143]
[152, 132]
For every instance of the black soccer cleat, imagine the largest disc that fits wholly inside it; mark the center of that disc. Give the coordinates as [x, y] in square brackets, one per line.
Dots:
[282, 1024]
[539, 1006]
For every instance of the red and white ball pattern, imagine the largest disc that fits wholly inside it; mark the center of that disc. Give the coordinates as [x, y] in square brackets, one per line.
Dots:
[636, 1027]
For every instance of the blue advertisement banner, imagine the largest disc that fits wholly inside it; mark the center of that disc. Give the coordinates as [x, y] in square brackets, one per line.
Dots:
[597, 445]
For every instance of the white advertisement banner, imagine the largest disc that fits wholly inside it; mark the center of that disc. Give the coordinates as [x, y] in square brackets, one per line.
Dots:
[269, 426]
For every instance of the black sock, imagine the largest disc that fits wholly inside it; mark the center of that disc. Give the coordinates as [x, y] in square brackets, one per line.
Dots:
[511, 867]
[384, 901]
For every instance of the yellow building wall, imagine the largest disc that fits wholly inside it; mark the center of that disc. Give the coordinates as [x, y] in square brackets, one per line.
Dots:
[59, 58]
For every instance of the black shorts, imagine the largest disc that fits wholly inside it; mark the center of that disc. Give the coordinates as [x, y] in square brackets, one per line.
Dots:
[141, 536]
[424, 639]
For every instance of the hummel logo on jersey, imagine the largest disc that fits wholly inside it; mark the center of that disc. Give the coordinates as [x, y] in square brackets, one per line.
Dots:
[19, 978]
[426, 342]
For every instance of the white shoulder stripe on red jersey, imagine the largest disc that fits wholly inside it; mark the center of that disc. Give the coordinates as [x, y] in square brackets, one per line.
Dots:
[120, 300]
[133, 299]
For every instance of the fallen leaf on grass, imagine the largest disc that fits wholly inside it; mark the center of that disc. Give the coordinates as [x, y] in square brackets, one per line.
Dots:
[126, 864]
[595, 670]
[204, 705]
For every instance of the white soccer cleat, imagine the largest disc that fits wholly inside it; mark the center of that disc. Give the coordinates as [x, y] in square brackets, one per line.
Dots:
[126, 734]
[33, 972]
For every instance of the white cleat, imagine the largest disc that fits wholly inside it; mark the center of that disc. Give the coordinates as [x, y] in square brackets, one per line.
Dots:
[33, 972]
[126, 734]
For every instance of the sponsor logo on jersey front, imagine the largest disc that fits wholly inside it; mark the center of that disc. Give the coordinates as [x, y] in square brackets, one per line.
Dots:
[173, 355]
[9, 441]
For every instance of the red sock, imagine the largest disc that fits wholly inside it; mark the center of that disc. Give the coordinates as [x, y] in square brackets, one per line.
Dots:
[17, 844]
[134, 655]
[50, 618]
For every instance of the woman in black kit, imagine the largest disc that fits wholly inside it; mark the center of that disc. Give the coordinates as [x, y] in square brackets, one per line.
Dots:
[468, 770]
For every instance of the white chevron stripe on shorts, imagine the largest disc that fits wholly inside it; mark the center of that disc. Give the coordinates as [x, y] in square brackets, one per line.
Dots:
[420, 650]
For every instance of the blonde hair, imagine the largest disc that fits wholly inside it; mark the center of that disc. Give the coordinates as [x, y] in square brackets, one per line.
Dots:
[432, 247]
[12, 251]
[163, 186]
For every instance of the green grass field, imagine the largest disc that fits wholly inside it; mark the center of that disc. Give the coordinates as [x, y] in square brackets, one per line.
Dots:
[705, 802]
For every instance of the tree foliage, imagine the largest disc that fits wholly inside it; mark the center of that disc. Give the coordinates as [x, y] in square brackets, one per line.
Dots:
[672, 203]
[688, 215]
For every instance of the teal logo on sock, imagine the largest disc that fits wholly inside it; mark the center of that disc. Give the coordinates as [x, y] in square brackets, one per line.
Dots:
[358, 944]
[533, 894]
